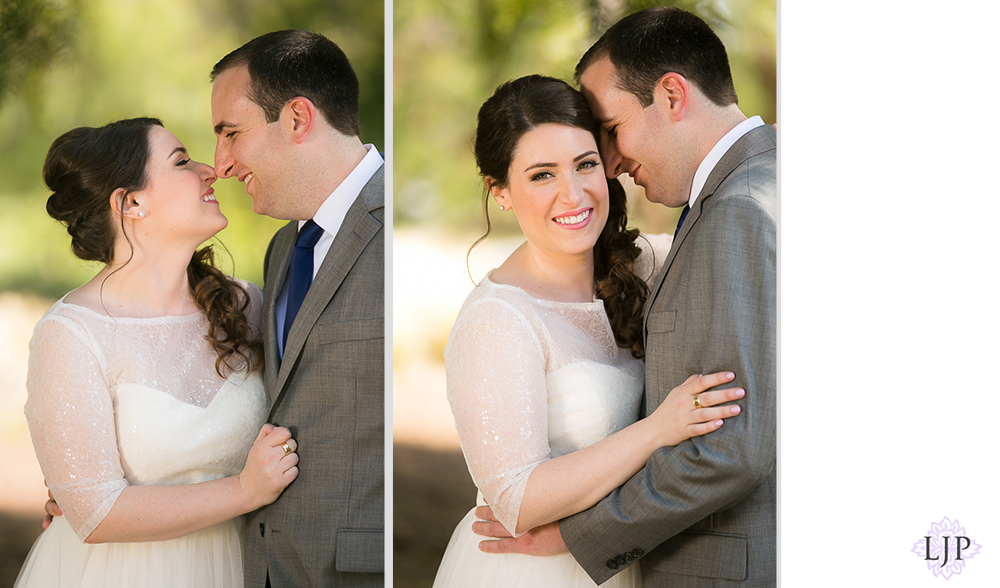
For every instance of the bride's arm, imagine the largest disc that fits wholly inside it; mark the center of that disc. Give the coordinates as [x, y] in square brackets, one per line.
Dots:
[574, 482]
[71, 420]
[496, 363]
[155, 513]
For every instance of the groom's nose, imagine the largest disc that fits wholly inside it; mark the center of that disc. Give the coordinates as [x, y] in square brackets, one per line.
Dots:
[224, 161]
[611, 158]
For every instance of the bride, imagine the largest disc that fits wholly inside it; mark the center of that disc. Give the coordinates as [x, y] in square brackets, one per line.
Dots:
[144, 387]
[544, 367]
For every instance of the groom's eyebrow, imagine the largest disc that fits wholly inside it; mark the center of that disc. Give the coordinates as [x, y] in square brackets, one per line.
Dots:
[223, 125]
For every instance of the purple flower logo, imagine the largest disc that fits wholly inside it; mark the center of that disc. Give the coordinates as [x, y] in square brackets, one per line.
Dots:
[946, 548]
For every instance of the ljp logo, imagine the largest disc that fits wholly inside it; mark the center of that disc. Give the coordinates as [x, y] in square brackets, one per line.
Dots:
[946, 548]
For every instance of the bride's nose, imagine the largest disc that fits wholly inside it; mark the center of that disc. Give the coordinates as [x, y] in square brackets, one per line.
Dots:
[572, 192]
[208, 174]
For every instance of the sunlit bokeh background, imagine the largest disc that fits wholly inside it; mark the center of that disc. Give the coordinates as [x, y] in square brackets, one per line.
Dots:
[448, 57]
[69, 63]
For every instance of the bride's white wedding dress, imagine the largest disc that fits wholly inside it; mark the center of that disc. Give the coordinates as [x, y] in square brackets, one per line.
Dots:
[127, 401]
[530, 380]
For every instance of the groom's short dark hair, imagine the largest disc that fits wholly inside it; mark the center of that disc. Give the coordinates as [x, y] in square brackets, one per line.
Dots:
[287, 64]
[650, 43]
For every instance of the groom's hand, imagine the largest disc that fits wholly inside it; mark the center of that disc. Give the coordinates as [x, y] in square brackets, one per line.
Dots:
[543, 540]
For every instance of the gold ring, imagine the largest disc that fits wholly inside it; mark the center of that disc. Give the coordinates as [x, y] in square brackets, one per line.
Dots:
[287, 449]
[697, 400]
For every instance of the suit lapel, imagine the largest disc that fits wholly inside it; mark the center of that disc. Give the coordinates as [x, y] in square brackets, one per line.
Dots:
[279, 258]
[358, 229]
[755, 142]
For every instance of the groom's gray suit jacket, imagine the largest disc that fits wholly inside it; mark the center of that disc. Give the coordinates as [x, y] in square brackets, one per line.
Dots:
[704, 511]
[326, 529]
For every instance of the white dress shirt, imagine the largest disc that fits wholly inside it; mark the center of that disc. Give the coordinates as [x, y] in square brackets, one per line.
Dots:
[330, 217]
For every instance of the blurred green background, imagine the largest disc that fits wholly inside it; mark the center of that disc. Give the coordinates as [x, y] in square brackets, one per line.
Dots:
[448, 57]
[69, 63]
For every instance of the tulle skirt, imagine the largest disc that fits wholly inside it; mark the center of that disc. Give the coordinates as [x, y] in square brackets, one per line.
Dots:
[465, 566]
[208, 558]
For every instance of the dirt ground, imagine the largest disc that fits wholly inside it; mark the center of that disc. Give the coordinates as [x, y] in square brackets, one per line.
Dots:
[432, 492]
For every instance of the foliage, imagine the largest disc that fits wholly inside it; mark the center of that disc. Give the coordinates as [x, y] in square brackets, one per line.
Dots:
[86, 63]
[449, 57]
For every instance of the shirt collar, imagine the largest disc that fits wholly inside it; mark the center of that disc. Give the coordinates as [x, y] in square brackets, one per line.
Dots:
[715, 155]
[332, 212]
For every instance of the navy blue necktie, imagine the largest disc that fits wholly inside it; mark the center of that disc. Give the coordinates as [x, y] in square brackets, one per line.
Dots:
[680, 221]
[300, 273]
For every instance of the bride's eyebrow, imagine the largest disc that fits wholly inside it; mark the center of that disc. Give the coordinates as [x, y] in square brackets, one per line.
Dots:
[177, 150]
[575, 159]
[537, 165]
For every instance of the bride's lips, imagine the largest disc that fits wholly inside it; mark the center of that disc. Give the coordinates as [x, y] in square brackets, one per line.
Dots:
[576, 219]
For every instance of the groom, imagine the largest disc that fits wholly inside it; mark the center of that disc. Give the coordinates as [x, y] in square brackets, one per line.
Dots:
[702, 513]
[285, 112]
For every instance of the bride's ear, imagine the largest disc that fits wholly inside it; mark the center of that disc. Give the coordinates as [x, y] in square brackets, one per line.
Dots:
[123, 203]
[500, 195]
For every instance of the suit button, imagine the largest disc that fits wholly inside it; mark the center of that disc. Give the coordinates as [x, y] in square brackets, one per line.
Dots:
[262, 529]
[620, 560]
[612, 564]
[637, 553]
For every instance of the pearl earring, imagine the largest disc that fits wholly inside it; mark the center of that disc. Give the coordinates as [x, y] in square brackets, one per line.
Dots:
[140, 214]
[501, 208]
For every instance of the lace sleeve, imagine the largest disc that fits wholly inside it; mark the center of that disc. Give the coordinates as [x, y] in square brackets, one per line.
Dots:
[71, 420]
[496, 386]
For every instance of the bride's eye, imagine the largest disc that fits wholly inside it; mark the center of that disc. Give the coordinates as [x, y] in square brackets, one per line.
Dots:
[587, 164]
[541, 176]
[182, 162]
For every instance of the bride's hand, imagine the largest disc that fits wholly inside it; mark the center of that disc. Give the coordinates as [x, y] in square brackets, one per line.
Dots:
[679, 417]
[52, 510]
[270, 466]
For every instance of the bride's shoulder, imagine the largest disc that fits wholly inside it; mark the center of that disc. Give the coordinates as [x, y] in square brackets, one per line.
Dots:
[256, 298]
[653, 249]
[253, 290]
[493, 305]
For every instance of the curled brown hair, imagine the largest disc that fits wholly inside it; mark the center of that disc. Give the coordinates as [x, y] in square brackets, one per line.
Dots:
[514, 109]
[83, 168]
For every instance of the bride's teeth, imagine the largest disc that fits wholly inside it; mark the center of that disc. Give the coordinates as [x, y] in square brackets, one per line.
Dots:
[208, 198]
[572, 220]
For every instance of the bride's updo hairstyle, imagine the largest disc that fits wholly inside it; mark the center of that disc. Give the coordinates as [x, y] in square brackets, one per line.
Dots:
[83, 168]
[517, 107]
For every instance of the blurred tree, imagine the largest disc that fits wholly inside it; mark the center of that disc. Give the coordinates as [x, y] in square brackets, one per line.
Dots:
[33, 33]
[69, 63]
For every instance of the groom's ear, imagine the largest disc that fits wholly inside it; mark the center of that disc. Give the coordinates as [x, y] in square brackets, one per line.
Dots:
[301, 115]
[671, 95]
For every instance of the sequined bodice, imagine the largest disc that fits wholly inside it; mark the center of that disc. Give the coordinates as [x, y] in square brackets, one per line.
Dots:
[119, 401]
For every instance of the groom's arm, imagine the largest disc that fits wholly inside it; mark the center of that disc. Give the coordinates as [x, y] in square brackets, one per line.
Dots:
[684, 484]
